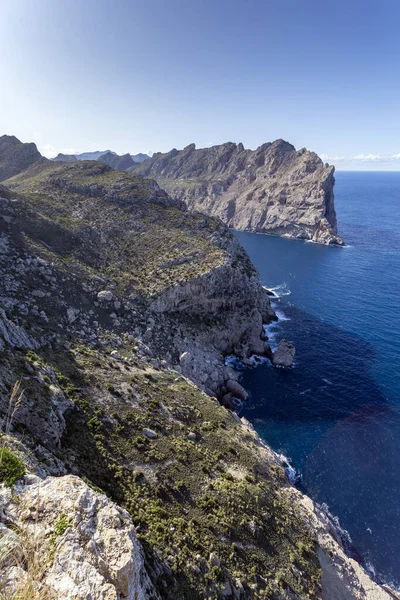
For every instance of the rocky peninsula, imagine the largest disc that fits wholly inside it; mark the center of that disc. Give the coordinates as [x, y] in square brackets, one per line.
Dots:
[274, 189]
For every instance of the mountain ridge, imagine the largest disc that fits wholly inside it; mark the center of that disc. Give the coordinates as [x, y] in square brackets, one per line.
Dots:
[273, 189]
[100, 154]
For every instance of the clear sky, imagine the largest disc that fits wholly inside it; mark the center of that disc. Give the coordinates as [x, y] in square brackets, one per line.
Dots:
[140, 75]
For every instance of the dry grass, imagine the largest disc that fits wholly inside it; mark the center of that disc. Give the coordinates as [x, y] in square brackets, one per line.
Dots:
[21, 562]
[20, 555]
[14, 404]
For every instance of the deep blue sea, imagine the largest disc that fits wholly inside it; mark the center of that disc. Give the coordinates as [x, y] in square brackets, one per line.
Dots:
[336, 414]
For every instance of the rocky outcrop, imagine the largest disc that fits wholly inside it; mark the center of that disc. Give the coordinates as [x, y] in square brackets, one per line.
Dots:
[284, 355]
[274, 189]
[14, 335]
[15, 156]
[76, 543]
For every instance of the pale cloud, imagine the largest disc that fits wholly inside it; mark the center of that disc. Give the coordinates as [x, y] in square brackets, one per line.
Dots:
[327, 157]
[51, 152]
[363, 158]
[368, 157]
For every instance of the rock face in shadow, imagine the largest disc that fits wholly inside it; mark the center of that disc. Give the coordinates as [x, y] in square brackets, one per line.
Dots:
[15, 156]
[274, 189]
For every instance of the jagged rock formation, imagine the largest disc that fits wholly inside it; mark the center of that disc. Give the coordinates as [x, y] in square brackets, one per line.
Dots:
[107, 156]
[122, 163]
[284, 355]
[132, 303]
[15, 156]
[274, 189]
[76, 543]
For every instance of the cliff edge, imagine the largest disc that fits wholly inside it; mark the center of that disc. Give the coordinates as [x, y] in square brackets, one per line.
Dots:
[274, 189]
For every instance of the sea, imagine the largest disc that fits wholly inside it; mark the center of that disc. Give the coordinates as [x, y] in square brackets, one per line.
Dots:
[336, 414]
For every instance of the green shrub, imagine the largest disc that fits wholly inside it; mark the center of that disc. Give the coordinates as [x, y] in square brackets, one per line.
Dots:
[12, 468]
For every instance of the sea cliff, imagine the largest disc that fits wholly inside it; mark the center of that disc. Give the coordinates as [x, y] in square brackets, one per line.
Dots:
[273, 189]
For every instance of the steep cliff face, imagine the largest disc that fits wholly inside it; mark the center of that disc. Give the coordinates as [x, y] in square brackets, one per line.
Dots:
[274, 189]
[15, 156]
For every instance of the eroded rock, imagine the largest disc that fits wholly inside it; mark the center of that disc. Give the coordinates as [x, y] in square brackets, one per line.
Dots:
[284, 355]
[87, 545]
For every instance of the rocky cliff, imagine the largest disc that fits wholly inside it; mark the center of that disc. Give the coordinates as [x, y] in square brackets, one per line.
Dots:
[118, 307]
[15, 156]
[274, 189]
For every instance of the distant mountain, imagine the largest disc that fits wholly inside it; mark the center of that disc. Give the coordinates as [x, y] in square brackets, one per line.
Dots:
[68, 158]
[93, 155]
[121, 163]
[139, 158]
[16, 156]
[109, 160]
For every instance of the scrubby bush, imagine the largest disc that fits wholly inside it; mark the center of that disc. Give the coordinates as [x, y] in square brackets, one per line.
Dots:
[12, 468]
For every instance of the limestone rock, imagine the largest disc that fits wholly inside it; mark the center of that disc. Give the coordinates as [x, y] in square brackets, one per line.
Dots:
[15, 335]
[86, 544]
[284, 355]
[149, 433]
[236, 389]
[105, 295]
[342, 576]
[274, 189]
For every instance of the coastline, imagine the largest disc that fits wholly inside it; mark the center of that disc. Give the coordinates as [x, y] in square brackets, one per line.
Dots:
[319, 514]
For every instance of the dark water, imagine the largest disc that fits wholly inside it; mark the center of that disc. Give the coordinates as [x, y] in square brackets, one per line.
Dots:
[336, 415]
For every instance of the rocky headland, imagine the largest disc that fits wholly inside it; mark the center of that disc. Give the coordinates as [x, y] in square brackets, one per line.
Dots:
[122, 475]
[274, 189]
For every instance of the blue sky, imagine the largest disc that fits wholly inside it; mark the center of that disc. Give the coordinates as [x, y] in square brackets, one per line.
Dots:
[134, 76]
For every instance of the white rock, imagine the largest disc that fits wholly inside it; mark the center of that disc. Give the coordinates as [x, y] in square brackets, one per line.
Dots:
[97, 555]
[149, 433]
[105, 295]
